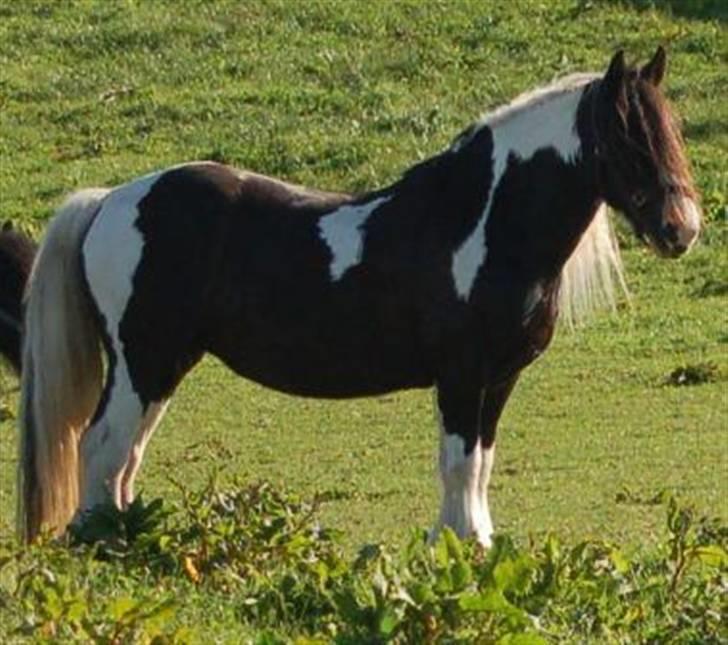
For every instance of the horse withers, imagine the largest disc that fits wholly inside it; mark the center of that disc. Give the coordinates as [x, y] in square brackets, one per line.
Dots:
[452, 278]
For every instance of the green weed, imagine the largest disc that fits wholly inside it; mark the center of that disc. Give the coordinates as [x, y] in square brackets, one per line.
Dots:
[264, 552]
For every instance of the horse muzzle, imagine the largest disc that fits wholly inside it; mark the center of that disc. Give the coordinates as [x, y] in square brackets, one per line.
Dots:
[679, 228]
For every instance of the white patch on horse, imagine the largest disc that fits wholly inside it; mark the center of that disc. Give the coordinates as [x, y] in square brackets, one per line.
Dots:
[342, 230]
[462, 509]
[690, 217]
[546, 122]
[106, 445]
[110, 279]
[110, 274]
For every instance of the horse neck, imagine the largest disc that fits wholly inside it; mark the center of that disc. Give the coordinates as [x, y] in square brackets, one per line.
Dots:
[519, 182]
[544, 153]
[567, 207]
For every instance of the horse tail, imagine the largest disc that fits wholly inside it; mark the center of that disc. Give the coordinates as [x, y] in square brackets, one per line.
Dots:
[62, 371]
[16, 258]
[593, 277]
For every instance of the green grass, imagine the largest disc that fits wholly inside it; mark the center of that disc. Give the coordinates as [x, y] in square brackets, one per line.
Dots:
[346, 95]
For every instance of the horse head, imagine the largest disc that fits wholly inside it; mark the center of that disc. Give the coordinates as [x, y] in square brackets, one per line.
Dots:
[642, 168]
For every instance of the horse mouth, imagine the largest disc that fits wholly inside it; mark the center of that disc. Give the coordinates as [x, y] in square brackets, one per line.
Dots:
[673, 251]
[662, 243]
[662, 247]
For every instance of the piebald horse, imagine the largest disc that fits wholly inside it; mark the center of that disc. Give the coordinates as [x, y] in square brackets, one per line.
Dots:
[450, 278]
[16, 258]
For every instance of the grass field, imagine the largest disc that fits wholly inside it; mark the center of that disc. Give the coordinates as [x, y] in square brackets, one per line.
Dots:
[346, 95]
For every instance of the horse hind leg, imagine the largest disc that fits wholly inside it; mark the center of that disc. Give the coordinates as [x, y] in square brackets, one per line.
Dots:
[107, 443]
[145, 374]
[149, 424]
[113, 447]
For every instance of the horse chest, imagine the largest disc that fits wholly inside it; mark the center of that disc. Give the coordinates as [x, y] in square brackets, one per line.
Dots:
[520, 327]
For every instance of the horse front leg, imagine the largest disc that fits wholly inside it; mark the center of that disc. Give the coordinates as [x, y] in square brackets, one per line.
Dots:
[494, 401]
[461, 462]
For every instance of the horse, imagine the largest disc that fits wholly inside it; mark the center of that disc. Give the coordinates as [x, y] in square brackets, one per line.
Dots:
[450, 278]
[16, 258]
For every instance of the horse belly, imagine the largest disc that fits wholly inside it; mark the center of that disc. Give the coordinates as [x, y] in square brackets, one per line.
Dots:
[324, 353]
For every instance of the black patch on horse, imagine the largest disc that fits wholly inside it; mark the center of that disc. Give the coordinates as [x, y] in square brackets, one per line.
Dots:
[16, 259]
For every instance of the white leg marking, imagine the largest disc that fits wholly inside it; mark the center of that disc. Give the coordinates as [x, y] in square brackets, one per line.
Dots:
[462, 509]
[105, 447]
[486, 469]
[550, 124]
[151, 420]
[343, 234]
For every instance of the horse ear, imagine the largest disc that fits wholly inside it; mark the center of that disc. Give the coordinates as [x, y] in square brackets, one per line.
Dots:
[614, 83]
[654, 71]
[7, 226]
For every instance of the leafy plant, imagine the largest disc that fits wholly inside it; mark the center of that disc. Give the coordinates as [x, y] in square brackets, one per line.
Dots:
[262, 552]
[67, 594]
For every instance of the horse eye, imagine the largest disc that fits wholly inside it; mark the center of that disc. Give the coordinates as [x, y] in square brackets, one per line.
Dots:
[639, 198]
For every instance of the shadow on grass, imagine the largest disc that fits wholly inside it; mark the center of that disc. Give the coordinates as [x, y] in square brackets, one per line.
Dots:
[696, 9]
[705, 129]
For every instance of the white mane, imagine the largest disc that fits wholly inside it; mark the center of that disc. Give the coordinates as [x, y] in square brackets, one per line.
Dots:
[589, 277]
[532, 98]
[525, 101]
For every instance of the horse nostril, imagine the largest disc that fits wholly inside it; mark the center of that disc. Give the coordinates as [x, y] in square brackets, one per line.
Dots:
[669, 232]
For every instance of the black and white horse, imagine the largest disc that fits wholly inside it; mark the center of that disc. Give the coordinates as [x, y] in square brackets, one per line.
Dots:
[450, 278]
[16, 258]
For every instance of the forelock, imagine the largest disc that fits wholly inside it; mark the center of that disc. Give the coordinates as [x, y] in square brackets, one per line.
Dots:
[662, 131]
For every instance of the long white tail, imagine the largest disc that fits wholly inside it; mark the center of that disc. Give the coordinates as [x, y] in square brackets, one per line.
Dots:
[62, 371]
[588, 279]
